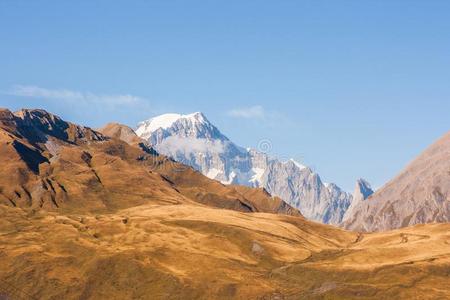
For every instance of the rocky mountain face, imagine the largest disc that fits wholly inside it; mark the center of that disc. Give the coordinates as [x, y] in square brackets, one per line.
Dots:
[193, 140]
[420, 194]
[302, 188]
[362, 191]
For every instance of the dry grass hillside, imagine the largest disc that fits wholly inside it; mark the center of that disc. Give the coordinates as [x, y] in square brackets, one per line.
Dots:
[196, 252]
[85, 215]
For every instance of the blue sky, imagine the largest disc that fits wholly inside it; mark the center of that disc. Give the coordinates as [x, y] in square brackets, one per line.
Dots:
[351, 88]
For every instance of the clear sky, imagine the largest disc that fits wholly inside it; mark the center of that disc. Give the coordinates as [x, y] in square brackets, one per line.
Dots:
[351, 88]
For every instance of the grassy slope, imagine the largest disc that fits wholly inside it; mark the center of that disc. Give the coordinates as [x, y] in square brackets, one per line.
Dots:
[196, 252]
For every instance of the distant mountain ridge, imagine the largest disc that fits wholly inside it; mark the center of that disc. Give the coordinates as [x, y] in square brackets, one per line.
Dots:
[193, 140]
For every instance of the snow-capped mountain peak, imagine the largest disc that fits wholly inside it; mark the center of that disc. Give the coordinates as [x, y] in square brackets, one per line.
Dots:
[191, 139]
[166, 121]
[297, 164]
[194, 125]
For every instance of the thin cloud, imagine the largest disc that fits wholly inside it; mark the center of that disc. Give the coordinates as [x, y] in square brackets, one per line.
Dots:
[186, 145]
[74, 97]
[83, 107]
[253, 112]
[258, 114]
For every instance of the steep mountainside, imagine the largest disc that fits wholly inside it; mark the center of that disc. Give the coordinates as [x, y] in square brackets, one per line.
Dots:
[420, 194]
[193, 140]
[58, 165]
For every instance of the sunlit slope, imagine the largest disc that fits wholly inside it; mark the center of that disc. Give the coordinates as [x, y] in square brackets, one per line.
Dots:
[196, 252]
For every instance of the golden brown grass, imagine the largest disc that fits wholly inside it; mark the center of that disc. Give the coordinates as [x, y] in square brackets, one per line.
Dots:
[197, 252]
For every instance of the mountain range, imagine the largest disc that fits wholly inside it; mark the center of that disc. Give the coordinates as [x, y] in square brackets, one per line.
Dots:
[418, 195]
[193, 140]
[99, 214]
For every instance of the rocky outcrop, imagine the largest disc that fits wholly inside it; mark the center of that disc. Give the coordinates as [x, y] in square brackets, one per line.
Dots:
[362, 191]
[39, 126]
[121, 132]
[302, 188]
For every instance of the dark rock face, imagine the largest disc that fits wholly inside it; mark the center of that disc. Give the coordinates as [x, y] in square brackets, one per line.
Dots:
[362, 191]
[32, 157]
[38, 126]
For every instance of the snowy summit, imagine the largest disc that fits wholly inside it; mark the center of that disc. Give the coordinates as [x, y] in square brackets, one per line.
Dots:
[192, 140]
